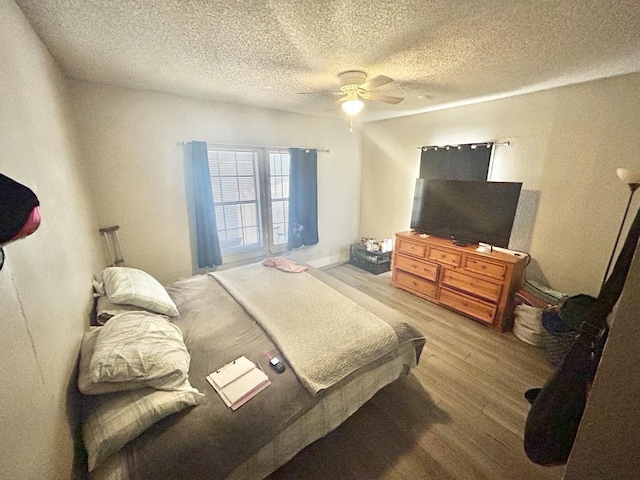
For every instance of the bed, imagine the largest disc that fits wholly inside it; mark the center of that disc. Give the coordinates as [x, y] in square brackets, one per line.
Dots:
[207, 440]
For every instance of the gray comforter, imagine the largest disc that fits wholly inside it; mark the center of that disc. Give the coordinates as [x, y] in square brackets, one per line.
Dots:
[209, 441]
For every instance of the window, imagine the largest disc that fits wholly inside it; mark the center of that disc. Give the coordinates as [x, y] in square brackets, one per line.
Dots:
[279, 176]
[251, 197]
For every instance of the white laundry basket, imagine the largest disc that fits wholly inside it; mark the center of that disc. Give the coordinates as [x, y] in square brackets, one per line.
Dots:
[527, 325]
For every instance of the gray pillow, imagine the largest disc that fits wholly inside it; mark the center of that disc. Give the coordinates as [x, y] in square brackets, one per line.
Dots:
[116, 419]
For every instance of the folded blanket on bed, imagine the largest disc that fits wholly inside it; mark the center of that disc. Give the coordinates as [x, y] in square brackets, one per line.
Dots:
[324, 335]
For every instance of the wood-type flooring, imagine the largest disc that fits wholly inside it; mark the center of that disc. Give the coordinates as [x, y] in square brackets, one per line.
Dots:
[459, 414]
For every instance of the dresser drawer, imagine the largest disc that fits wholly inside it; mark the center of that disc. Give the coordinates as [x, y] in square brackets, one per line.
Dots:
[417, 284]
[485, 268]
[483, 311]
[441, 255]
[422, 269]
[411, 248]
[477, 286]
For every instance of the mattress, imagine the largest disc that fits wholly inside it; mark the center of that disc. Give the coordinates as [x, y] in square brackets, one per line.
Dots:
[210, 440]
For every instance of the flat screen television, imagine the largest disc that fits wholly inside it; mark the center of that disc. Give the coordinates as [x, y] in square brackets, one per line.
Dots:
[465, 211]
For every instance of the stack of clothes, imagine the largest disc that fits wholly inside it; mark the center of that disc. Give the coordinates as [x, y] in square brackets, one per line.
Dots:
[531, 301]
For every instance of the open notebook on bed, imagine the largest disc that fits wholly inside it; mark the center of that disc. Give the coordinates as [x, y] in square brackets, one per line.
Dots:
[238, 382]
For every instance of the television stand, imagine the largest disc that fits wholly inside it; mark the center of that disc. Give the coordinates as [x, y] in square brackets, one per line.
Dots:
[477, 284]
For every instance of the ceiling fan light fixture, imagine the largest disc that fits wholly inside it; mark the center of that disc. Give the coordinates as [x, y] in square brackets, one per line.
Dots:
[352, 107]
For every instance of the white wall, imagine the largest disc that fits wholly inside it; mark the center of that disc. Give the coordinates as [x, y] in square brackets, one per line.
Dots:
[566, 144]
[136, 169]
[45, 285]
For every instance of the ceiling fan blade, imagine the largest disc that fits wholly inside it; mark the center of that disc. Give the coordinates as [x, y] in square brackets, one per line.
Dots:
[384, 98]
[338, 102]
[376, 82]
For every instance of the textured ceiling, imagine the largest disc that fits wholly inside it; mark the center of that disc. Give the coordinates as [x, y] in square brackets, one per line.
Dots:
[264, 53]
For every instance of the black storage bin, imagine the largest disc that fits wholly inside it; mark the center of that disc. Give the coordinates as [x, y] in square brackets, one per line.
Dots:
[374, 262]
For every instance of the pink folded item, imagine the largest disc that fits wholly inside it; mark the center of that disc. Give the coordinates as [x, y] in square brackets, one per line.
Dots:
[284, 265]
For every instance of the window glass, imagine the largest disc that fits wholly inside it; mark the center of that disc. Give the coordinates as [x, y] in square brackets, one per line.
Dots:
[250, 191]
[279, 176]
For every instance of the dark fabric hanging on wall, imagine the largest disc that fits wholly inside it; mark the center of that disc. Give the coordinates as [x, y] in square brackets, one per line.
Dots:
[19, 212]
[303, 198]
[208, 243]
[464, 163]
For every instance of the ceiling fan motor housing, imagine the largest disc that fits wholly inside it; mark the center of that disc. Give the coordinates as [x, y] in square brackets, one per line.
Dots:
[352, 78]
[354, 85]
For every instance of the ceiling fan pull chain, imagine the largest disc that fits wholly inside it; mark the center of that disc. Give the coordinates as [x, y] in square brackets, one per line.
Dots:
[350, 124]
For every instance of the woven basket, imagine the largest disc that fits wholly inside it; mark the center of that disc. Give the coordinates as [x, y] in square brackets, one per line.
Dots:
[557, 344]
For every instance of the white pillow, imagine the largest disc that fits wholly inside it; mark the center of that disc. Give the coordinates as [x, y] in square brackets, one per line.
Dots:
[114, 420]
[143, 348]
[85, 385]
[135, 287]
[88, 387]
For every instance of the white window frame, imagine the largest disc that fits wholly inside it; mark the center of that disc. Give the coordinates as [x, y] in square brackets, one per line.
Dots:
[265, 221]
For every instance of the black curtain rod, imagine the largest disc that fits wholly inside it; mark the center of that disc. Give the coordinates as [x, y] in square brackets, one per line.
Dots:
[473, 146]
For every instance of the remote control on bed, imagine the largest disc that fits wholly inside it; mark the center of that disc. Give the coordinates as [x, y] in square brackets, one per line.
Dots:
[277, 365]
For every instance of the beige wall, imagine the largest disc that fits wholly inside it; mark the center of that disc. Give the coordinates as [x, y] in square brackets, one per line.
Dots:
[45, 285]
[136, 174]
[566, 144]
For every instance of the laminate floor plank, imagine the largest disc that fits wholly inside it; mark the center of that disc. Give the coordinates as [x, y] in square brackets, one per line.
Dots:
[458, 415]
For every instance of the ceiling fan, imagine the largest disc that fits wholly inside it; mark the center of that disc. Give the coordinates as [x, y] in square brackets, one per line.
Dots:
[354, 87]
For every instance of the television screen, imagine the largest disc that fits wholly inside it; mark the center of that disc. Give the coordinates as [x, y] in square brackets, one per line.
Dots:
[467, 212]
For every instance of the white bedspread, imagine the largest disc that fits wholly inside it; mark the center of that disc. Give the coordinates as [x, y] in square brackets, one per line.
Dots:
[324, 335]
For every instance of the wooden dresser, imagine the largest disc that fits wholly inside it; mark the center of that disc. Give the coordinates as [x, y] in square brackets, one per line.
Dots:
[477, 284]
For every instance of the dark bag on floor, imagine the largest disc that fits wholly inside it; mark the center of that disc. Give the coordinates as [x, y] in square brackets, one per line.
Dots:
[556, 412]
[575, 309]
[555, 415]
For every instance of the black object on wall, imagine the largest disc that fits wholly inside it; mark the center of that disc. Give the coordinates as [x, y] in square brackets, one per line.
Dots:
[19, 212]
[461, 162]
